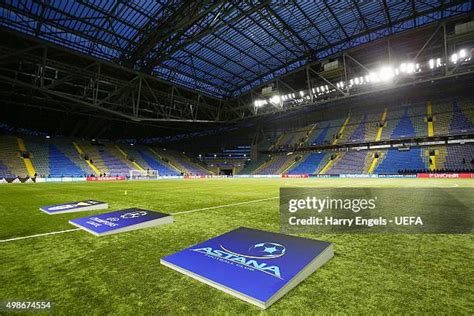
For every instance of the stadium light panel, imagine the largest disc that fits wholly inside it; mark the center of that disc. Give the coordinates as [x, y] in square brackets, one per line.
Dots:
[275, 99]
[302, 93]
[374, 77]
[431, 63]
[407, 68]
[454, 58]
[386, 73]
[259, 103]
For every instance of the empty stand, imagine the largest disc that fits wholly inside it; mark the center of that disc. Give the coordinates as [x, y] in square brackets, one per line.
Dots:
[459, 157]
[350, 162]
[251, 167]
[395, 160]
[60, 165]
[11, 163]
[182, 162]
[460, 122]
[308, 164]
[155, 163]
[275, 164]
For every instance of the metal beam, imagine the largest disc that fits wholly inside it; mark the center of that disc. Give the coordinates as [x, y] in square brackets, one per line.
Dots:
[372, 30]
[196, 37]
[387, 15]
[329, 82]
[175, 26]
[311, 21]
[288, 28]
[334, 16]
[427, 42]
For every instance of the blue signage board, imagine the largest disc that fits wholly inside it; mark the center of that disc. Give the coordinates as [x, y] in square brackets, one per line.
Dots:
[86, 205]
[121, 221]
[256, 266]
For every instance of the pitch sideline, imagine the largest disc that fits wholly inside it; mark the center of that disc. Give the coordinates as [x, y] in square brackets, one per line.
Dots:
[176, 213]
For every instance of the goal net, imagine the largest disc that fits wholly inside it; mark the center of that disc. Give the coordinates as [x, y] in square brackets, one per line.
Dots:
[143, 174]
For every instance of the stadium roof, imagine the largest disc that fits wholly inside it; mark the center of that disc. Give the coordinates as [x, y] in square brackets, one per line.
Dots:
[222, 48]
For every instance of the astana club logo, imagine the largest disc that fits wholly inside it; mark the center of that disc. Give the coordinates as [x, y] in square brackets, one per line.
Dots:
[264, 250]
[250, 257]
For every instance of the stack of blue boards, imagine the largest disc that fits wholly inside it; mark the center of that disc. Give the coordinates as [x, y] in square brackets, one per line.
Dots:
[256, 266]
[81, 206]
[121, 221]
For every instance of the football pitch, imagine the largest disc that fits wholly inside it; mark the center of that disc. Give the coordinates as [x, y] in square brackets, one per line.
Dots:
[121, 274]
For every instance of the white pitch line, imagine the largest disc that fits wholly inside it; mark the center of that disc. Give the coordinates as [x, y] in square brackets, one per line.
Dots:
[177, 213]
[225, 205]
[41, 235]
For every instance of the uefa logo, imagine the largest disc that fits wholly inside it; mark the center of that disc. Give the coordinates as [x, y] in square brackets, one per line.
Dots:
[134, 214]
[264, 250]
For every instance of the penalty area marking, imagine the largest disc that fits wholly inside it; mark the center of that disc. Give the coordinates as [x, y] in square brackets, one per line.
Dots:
[177, 213]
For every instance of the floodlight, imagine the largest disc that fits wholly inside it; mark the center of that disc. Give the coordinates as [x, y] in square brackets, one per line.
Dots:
[302, 93]
[431, 63]
[275, 99]
[410, 68]
[462, 54]
[374, 77]
[386, 73]
[454, 58]
[259, 103]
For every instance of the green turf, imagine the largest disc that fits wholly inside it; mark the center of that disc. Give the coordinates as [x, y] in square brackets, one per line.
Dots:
[121, 274]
